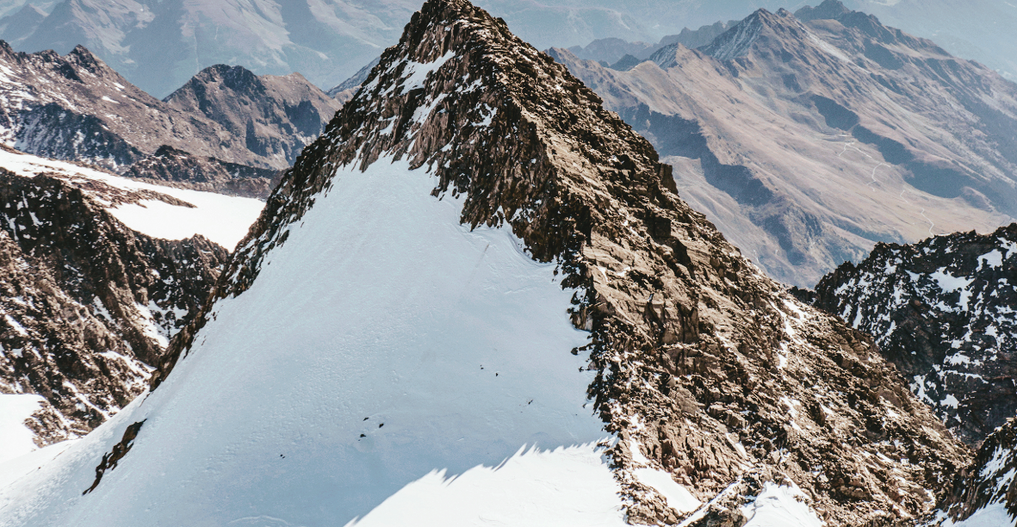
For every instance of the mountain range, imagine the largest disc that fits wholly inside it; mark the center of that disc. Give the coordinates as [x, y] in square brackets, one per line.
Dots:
[809, 141]
[479, 295]
[158, 45]
[76, 107]
[477, 265]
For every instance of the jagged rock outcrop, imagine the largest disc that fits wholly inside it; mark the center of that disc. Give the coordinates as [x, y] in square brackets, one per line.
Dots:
[987, 486]
[808, 142]
[87, 304]
[942, 311]
[275, 116]
[176, 168]
[704, 367]
[75, 107]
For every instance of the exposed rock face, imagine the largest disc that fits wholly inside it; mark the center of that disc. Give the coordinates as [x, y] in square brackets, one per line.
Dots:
[276, 116]
[808, 142]
[75, 107]
[942, 311]
[176, 168]
[87, 304]
[705, 367]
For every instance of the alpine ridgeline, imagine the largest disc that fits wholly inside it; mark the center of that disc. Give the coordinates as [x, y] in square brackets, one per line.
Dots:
[808, 140]
[942, 311]
[407, 304]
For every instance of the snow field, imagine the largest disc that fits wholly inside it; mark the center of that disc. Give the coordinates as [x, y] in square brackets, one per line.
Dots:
[222, 219]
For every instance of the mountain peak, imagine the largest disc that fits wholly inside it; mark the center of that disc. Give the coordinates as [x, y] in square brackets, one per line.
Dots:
[829, 9]
[740, 39]
[479, 117]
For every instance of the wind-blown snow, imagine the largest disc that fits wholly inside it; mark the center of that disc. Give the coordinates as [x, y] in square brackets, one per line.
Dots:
[222, 219]
[381, 342]
[15, 437]
[567, 486]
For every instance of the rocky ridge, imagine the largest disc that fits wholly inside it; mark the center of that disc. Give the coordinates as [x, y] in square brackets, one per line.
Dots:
[87, 304]
[942, 311]
[705, 368]
[809, 141]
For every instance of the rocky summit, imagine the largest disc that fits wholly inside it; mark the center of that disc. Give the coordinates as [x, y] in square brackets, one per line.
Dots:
[942, 311]
[705, 369]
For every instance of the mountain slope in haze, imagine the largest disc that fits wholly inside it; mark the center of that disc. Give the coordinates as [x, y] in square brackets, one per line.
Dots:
[76, 107]
[942, 311]
[474, 213]
[88, 303]
[276, 116]
[158, 45]
[176, 168]
[809, 142]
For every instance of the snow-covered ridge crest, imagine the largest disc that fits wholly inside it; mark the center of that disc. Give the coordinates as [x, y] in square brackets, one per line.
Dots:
[696, 356]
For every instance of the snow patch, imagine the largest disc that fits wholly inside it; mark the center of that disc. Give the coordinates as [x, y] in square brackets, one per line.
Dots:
[779, 506]
[222, 219]
[677, 496]
[566, 486]
[417, 72]
[15, 437]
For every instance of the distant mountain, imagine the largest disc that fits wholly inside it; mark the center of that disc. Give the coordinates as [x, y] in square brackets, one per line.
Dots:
[477, 257]
[345, 90]
[75, 107]
[808, 142]
[609, 51]
[275, 116]
[942, 310]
